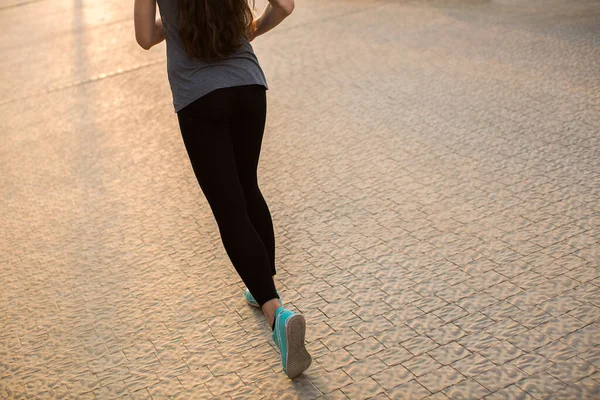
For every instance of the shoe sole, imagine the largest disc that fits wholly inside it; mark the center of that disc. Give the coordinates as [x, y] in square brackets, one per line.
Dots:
[298, 359]
[255, 305]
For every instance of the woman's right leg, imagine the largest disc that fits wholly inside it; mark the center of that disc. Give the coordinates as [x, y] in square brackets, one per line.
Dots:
[207, 137]
[246, 125]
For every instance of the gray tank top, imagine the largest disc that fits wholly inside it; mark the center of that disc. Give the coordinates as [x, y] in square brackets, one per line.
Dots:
[191, 79]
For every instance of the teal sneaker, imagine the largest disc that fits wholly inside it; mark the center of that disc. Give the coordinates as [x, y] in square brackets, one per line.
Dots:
[290, 329]
[250, 299]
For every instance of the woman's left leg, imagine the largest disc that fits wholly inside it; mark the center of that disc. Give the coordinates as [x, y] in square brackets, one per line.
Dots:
[206, 133]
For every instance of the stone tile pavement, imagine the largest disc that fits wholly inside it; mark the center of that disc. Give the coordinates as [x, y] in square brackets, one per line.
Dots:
[433, 170]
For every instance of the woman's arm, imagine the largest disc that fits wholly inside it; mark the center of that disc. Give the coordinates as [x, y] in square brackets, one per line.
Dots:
[275, 12]
[148, 28]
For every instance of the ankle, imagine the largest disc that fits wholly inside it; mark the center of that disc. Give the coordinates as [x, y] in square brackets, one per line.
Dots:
[270, 309]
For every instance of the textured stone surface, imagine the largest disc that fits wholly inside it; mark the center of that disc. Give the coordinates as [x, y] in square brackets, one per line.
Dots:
[432, 168]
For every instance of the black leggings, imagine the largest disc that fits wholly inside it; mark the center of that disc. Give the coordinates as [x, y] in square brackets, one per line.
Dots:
[223, 132]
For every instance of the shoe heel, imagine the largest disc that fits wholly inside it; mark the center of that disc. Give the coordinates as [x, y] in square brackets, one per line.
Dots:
[298, 359]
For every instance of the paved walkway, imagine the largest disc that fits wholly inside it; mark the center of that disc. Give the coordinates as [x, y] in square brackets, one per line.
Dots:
[433, 170]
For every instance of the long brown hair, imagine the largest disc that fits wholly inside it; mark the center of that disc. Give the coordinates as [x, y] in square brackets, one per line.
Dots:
[211, 29]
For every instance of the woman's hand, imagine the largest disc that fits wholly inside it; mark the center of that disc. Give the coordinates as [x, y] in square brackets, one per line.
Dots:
[275, 12]
[148, 29]
[287, 6]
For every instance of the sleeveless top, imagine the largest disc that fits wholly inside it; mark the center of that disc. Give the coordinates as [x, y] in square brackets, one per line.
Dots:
[191, 79]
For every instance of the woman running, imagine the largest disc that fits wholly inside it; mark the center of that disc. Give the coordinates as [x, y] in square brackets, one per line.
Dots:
[219, 95]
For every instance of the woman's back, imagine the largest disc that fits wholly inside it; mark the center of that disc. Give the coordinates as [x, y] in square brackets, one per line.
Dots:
[191, 78]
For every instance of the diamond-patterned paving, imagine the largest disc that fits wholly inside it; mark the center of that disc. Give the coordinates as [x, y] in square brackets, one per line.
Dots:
[433, 171]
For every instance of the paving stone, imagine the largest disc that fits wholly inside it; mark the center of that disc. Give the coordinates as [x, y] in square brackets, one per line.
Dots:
[196, 377]
[503, 290]
[501, 353]
[363, 389]
[485, 280]
[514, 268]
[584, 338]
[270, 385]
[364, 368]
[335, 360]
[411, 390]
[370, 311]
[317, 349]
[474, 322]
[82, 384]
[436, 396]
[529, 298]
[336, 395]
[365, 348]
[343, 321]
[587, 313]
[473, 365]
[425, 323]
[331, 381]
[406, 313]
[529, 340]
[531, 363]
[498, 378]
[557, 352]
[107, 362]
[478, 341]
[139, 350]
[430, 304]
[171, 371]
[440, 379]
[419, 345]
[559, 327]
[145, 395]
[571, 370]
[421, 365]
[301, 385]
[165, 388]
[381, 396]
[467, 389]
[449, 353]
[337, 307]
[139, 382]
[394, 355]
[592, 356]
[113, 375]
[541, 385]
[450, 313]
[400, 300]
[446, 334]
[393, 376]
[511, 392]
[341, 339]
[245, 392]
[112, 390]
[500, 311]
[456, 292]
[371, 328]
[395, 335]
[583, 389]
